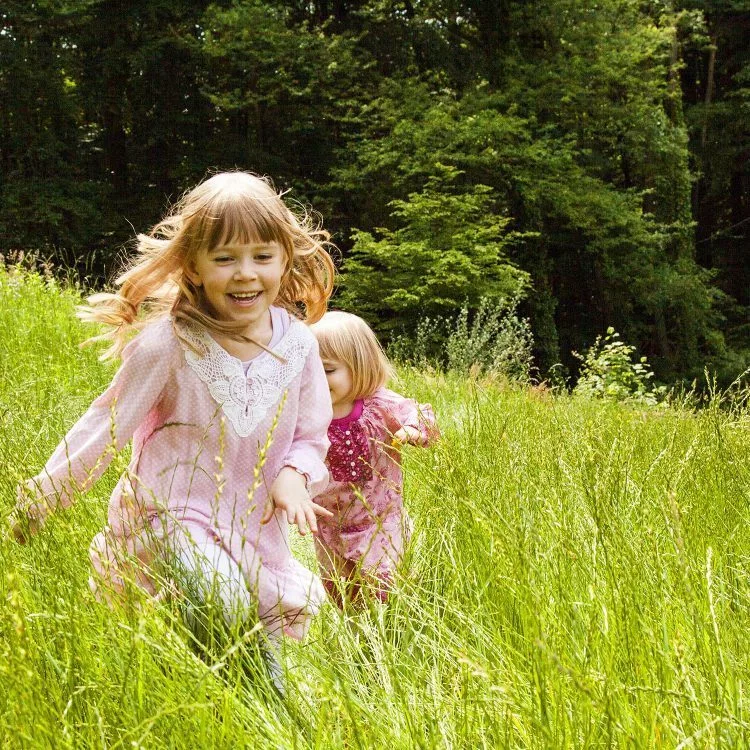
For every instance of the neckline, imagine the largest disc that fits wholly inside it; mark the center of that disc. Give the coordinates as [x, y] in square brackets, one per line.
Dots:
[281, 325]
[272, 342]
[352, 416]
[245, 404]
[277, 333]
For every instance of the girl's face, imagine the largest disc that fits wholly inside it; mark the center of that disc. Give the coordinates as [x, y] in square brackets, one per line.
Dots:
[339, 378]
[240, 281]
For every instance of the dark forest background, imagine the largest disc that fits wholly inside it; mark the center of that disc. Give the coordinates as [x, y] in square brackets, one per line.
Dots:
[591, 157]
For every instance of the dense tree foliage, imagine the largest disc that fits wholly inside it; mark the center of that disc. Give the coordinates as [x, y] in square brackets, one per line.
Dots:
[593, 157]
[716, 93]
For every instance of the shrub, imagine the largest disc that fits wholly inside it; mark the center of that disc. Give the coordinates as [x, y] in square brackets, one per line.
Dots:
[494, 340]
[491, 339]
[610, 371]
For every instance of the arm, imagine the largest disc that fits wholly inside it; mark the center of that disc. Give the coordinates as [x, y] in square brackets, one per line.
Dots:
[304, 473]
[88, 448]
[310, 443]
[407, 420]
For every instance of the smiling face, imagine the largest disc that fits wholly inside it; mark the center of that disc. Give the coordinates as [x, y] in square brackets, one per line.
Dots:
[240, 282]
[340, 384]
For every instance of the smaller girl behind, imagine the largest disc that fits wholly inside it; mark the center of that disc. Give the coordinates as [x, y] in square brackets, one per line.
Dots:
[364, 540]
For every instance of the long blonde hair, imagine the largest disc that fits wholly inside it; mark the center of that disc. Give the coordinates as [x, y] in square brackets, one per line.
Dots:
[227, 207]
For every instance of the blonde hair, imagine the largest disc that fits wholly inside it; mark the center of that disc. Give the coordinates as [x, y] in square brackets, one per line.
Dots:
[346, 338]
[236, 207]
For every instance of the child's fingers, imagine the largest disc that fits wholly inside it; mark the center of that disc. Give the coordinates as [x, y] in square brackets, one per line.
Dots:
[312, 522]
[268, 512]
[320, 510]
[309, 515]
[301, 520]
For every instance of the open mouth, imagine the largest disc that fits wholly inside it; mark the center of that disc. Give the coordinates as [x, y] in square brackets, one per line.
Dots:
[245, 298]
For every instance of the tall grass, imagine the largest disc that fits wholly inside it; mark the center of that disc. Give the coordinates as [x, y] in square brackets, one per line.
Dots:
[579, 577]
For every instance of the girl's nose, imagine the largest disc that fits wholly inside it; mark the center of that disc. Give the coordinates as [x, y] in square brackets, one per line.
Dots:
[245, 270]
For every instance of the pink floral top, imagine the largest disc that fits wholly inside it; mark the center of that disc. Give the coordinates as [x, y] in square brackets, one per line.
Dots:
[365, 490]
[198, 424]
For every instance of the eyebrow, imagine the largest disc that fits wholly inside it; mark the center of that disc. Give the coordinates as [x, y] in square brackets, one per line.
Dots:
[251, 245]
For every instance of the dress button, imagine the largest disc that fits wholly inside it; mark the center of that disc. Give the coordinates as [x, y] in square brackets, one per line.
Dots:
[347, 433]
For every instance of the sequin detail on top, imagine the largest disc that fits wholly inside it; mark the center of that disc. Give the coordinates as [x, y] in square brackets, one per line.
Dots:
[349, 457]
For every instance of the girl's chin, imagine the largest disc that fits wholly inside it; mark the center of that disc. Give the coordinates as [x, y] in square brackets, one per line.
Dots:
[251, 318]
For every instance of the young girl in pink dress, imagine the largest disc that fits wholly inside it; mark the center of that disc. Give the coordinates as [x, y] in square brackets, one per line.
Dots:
[363, 541]
[225, 398]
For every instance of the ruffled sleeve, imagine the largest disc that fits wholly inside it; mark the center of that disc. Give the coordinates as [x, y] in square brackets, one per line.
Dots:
[88, 448]
[395, 411]
[310, 444]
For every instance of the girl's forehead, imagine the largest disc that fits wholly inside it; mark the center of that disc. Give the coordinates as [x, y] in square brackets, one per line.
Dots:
[239, 244]
[242, 228]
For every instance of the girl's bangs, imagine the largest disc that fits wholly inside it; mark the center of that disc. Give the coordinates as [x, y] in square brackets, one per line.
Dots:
[247, 221]
[333, 345]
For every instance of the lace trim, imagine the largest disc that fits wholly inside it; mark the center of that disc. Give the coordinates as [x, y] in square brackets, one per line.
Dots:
[246, 399]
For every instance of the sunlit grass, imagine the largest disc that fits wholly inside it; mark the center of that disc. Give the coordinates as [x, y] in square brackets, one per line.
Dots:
[579, 577]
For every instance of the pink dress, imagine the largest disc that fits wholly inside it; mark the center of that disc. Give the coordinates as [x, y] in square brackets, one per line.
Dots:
[365, 539]
[208, 441]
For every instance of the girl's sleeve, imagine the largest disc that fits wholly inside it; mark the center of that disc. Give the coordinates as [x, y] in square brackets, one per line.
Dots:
[88, 448]
[398, 411]
[310, 443]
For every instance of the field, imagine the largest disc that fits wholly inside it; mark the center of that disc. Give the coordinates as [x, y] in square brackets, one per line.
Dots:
[579, 577]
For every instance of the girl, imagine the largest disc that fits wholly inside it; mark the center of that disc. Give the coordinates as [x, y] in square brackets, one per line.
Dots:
[225, 397]
[364, 539]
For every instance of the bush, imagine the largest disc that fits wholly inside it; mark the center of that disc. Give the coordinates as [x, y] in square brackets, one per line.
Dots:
[492, 339]
[496, 341]
[609, 371]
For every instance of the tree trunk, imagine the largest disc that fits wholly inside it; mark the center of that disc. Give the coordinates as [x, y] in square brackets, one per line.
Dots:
[709, 89]
[493, 26]
[115, 140]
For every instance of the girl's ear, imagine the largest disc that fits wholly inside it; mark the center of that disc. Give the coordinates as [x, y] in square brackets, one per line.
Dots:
[192, 275]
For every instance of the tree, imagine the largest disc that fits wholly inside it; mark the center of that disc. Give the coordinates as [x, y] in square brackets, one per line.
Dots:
[449, 251]
[584, 146]
[716, 86]
[46, 202]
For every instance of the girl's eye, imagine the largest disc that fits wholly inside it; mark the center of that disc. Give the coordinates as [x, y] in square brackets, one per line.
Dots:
[328, 372]
[264, 257]
[222, 259]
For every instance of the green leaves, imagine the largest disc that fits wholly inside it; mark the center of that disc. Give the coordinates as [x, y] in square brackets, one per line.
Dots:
[448, 144]
[609, 370]
[449, 248]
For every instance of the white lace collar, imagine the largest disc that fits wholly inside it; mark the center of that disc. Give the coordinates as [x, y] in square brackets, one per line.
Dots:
[246, 399]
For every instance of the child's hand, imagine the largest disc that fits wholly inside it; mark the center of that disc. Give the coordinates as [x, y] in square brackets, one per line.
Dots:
[289, 493]
[23, 527]
[410, 435]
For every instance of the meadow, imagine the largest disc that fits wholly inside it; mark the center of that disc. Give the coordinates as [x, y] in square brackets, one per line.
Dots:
[579, 577]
